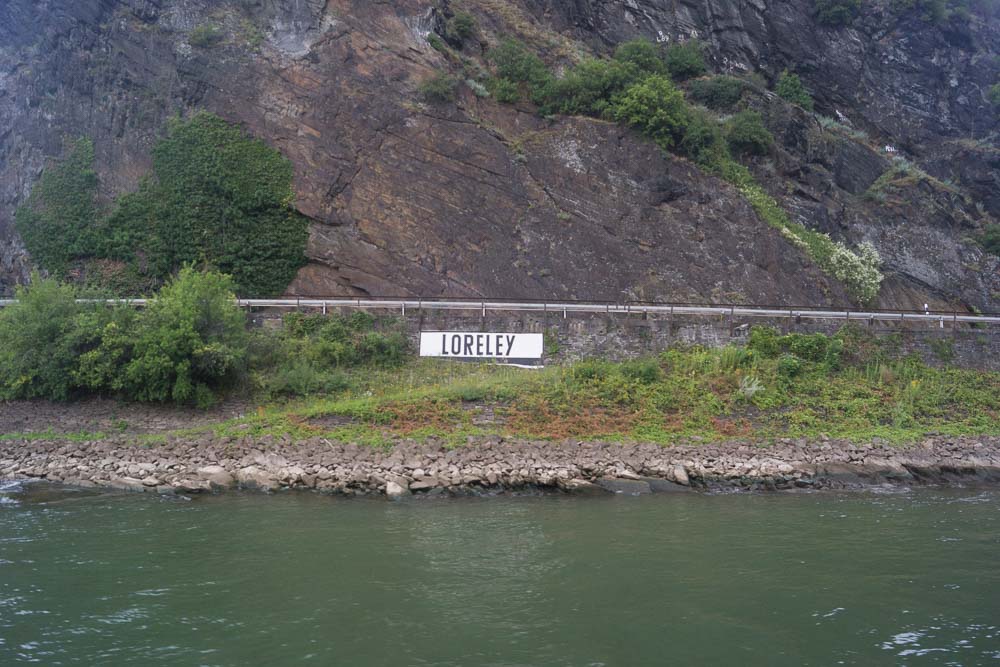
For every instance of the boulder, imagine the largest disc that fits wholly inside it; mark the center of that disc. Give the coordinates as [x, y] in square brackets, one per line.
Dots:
[394, 490]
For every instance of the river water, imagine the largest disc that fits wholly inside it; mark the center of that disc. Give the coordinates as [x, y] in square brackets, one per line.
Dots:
[903, 578]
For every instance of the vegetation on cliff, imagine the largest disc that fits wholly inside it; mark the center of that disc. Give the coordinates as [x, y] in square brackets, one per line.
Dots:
[215, 196]
[634, 88]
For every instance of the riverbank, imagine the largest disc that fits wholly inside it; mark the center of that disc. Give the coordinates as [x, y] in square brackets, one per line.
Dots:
[494, 464]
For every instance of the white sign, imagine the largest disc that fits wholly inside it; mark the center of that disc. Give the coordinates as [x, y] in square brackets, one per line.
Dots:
[480, 345]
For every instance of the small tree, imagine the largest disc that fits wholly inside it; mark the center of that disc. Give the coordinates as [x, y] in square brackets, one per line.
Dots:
[747, 135]
[790, 88]
[643, 54]
[656, 108]
[37, 354]
[685, 60]
[191, 340]
[718, 92]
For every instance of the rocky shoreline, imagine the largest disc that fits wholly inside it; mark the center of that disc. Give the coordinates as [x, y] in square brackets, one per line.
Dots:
[491, 465]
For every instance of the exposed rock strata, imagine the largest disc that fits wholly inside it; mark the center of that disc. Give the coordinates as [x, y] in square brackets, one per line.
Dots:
[493, 464]
[480, 199]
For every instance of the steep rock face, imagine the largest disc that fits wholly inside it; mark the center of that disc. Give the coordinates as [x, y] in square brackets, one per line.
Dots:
[474, 198]
[896, 74]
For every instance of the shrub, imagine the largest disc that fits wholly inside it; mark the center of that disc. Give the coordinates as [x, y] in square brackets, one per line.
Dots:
[57, 220]
[644, 371]
[37, 355]
[718, 92]
[790, 88]
[205, 36]
[990, 239]
[859, 270]
[642, 54]
[746, 134]
[439, 88]
[192, 339]
[789, 366]
[514, 62]
[505, 91]
[459, 28]
[994, 94]
[685, 60]
[590, 86]
[764, 341]
[656, 108]
[836, 12]
[703, 141]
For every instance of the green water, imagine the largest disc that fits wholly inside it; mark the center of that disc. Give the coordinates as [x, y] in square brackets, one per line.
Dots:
[808, 579]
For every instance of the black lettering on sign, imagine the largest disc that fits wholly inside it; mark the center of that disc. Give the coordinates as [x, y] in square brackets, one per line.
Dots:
[510, 344]
[444, 339]
[456, 345]
[468, 344]
[499, 345]
[479, 345]
[489, 351]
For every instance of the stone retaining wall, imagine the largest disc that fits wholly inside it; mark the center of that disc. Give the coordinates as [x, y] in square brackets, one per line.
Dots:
[622, 336]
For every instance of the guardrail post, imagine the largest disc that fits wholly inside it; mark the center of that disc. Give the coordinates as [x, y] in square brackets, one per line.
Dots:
[404, 308]
[324, 307]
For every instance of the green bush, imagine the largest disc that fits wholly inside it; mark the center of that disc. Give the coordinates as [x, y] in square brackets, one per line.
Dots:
[685, 60]
[192, 339]
[764, 341]
[515, 63]
[789, 366]
[459, 28]
[656, 108]
[746, 134]
[703, 141]
[37, 342]
[836, 12]
[643, 55]
[590, 87]
[504, 91]
[57, 222]
[644, 371]
[720, 93]
[990, 239]
[205, 36]
[790, 88]
[439, 88]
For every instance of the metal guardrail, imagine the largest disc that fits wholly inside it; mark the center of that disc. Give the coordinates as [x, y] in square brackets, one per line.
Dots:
[564, 308]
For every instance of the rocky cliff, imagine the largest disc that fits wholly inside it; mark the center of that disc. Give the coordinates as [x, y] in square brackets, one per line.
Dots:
[476, 198]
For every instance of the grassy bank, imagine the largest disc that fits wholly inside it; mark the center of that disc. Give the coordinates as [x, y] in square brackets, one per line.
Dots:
[353, 379]
[846, 386]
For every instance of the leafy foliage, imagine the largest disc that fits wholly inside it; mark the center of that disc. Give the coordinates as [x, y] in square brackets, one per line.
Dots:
[439, 88]
[836, 12]
[656, 108]
[746, 134]
[459, 28]
[591, 86]
[790, 88]
[57, 221]
[38, 335]
[191, 340]
[643, 55]
[720, 93]
[990, 239]
[517, 65]
[215, 196]
[685, 60]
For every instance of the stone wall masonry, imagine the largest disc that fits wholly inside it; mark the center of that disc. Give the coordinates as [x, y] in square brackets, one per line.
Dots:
[575, 336]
